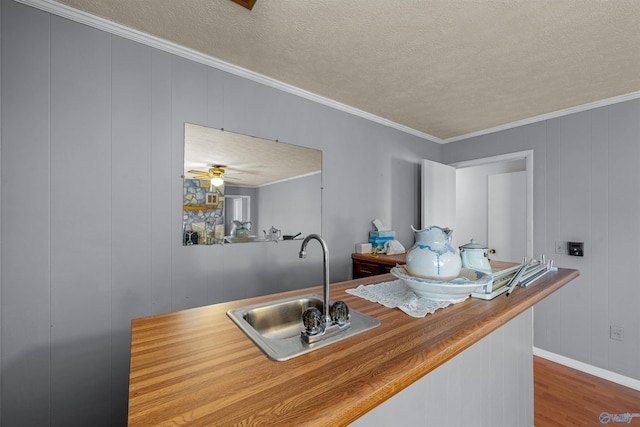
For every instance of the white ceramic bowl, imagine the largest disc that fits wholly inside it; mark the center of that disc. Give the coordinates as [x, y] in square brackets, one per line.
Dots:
[454, 291]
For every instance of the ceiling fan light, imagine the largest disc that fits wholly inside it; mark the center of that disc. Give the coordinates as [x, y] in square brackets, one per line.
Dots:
[217, 181]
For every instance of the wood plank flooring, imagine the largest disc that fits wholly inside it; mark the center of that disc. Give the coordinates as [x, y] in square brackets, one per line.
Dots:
[566, 397]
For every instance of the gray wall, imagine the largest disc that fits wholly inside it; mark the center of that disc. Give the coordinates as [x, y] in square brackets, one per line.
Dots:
[86, 115]
[292, 206]
[586, 183]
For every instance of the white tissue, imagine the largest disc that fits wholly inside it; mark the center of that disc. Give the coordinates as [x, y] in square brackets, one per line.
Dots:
[378, 225]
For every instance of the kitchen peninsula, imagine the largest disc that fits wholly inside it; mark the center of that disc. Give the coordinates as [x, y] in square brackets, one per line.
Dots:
[197, 367]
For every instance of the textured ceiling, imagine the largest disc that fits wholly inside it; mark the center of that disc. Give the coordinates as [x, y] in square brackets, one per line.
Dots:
[247, 160]
[442, 67]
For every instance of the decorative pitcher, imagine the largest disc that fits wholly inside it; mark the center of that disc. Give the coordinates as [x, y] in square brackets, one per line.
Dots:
[432, 256]
[241, 229]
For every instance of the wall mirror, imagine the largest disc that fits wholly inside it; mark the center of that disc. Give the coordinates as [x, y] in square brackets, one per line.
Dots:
[240, 188]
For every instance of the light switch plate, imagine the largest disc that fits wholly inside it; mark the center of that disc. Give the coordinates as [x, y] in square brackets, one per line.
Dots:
[561, 247]
[616, 333]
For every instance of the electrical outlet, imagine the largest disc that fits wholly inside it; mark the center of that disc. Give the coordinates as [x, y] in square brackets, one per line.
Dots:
[561, 247]
[616, 333]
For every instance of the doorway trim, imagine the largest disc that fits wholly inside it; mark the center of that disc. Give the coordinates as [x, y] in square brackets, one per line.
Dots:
[527, 155]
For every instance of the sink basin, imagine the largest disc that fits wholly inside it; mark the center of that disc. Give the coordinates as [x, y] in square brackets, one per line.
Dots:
[275, 326]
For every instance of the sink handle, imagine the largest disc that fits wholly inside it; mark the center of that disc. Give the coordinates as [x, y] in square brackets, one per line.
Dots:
[340, 312]
[312, 320]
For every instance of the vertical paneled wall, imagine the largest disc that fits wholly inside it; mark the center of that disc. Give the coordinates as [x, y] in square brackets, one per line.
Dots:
[26, 221]
[623, 226]
[81, 217]
[488, 384]
[586, 182]
[88, 116]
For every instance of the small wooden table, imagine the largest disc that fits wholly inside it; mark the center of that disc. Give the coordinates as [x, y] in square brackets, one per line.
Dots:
[366, 265]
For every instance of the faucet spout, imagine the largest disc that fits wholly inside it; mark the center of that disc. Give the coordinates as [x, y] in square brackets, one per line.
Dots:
[325, 270]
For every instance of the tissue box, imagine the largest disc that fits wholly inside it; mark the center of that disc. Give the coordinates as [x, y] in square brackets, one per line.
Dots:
[385, 233]
[378, 242]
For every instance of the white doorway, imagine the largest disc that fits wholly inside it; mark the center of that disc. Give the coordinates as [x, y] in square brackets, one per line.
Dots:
[471, 202]
[236, 208]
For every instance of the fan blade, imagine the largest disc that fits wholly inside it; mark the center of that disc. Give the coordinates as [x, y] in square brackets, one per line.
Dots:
[200, 173]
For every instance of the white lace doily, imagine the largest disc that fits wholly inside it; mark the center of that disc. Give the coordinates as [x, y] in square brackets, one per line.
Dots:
[396, 295]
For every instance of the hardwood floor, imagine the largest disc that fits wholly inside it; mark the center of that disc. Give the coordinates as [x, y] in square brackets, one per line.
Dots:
[566, 397]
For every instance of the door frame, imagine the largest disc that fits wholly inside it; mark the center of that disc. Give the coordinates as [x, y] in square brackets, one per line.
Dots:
[527, 155]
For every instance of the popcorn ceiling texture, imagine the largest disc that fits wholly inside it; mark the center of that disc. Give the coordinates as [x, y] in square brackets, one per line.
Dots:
[443, 67]
[246, 162]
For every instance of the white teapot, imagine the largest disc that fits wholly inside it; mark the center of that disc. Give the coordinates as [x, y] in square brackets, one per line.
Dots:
[475, 257]
[273, 234]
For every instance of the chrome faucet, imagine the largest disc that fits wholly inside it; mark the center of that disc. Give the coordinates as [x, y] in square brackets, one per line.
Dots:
[325, 269]
[335, 319]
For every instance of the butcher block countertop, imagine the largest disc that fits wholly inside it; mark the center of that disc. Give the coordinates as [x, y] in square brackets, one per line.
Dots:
[197, 367]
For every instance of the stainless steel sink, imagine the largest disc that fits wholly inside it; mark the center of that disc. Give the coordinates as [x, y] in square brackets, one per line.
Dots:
[275, 326]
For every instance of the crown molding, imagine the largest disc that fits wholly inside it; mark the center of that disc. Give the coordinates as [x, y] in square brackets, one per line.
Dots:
[547, 116]
[114, 28]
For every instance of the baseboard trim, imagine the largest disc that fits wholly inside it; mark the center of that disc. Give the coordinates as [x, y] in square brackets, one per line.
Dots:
[588, 369]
